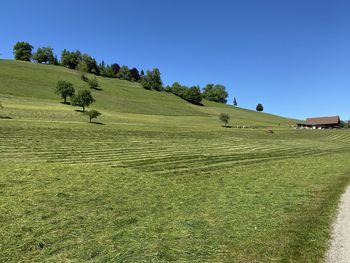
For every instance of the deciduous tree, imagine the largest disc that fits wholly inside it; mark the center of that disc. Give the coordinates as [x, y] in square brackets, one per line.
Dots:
[83, 99]
[124, 73]
[70, 59]
[152, 80]
[45, 55]
[224, 117]
[93, 114]
[64, 89]
[216, 93]
[23, 51]
[193, 95]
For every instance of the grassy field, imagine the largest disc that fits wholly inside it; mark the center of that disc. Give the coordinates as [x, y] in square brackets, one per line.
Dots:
[158, 182]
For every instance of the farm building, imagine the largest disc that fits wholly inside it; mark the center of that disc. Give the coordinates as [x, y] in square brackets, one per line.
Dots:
[320, 123]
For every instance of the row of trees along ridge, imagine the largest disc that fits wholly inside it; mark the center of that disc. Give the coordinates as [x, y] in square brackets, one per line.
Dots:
[151, 80]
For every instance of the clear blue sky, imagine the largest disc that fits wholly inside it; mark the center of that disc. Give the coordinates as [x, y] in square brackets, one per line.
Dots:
[293, 56]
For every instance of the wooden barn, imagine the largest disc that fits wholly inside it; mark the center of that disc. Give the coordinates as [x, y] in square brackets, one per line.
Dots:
[320, 123]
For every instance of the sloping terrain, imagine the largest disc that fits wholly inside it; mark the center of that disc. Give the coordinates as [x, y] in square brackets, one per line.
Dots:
[158, 179]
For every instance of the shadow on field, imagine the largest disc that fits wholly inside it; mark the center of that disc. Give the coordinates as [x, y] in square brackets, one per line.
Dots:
[97, 89]
[5, 117]
[228, 126]
[65, 103]
[79, 111]
[98, 123]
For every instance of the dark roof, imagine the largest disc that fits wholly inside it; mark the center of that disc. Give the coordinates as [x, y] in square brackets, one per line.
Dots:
[323, 120]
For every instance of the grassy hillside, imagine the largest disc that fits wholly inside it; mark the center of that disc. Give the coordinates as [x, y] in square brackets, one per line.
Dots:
[159, 180]
[23, 79]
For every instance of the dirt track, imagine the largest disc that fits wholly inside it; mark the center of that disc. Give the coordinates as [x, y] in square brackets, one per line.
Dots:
[339, 251]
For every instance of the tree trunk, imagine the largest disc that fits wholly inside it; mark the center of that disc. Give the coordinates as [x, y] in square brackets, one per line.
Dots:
[83, 108]
[65, 100]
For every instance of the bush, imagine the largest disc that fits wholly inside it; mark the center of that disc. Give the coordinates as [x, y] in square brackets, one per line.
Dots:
[93, 83]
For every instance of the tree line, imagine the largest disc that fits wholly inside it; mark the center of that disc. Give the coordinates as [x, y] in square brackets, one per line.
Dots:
[75, 60]
[151, 80]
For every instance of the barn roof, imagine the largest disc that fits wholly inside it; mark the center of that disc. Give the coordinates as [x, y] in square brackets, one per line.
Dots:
[323, 120]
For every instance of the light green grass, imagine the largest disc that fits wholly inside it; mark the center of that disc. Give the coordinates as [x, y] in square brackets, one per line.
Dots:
[167, 186]
[26, 79]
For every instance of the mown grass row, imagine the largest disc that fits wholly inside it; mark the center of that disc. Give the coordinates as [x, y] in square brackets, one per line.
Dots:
[165, 155]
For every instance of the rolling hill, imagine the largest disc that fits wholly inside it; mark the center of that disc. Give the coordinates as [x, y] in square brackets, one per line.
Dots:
[157, 179]
[28, 80]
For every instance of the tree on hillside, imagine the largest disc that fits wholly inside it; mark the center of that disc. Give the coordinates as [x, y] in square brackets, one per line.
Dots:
[124, 73]
[215, 93]
[93, 114]
[115, 68]
[91, 64]
[259, 107]
[178, 89]
[93, 83]
[70, 59]
[224, 117]
[152, 80]
[168, 89]
[64, 89]
[83, 99]
[23, 51]
[135, 75]
[193, 95]
[105, 70]
[142, 73]
[102, 68]
[235, 102]
[45, 55]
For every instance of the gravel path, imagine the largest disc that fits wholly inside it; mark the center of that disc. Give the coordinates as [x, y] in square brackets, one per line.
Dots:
[339, 251]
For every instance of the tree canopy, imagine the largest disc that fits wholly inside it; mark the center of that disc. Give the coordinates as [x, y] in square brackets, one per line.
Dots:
[192, 94]
[45, 55]
[65, 89]
[23, 51]
[124, 73]
[70, 59]
[259, 107]
[152, 80]
[83, 99]
[93, 114]
[93, 83]
[235, 102]
[224, 117]
[215, 93]
[135, 75]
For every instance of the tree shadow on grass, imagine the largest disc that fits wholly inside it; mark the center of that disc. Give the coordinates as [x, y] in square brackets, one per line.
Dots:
[227, 126]
[99, 89]
[6, 117]
[79, 111]
[65, 103]
[97, 123]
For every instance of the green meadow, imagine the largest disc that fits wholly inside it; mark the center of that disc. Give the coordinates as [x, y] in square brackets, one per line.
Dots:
[157, 179]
